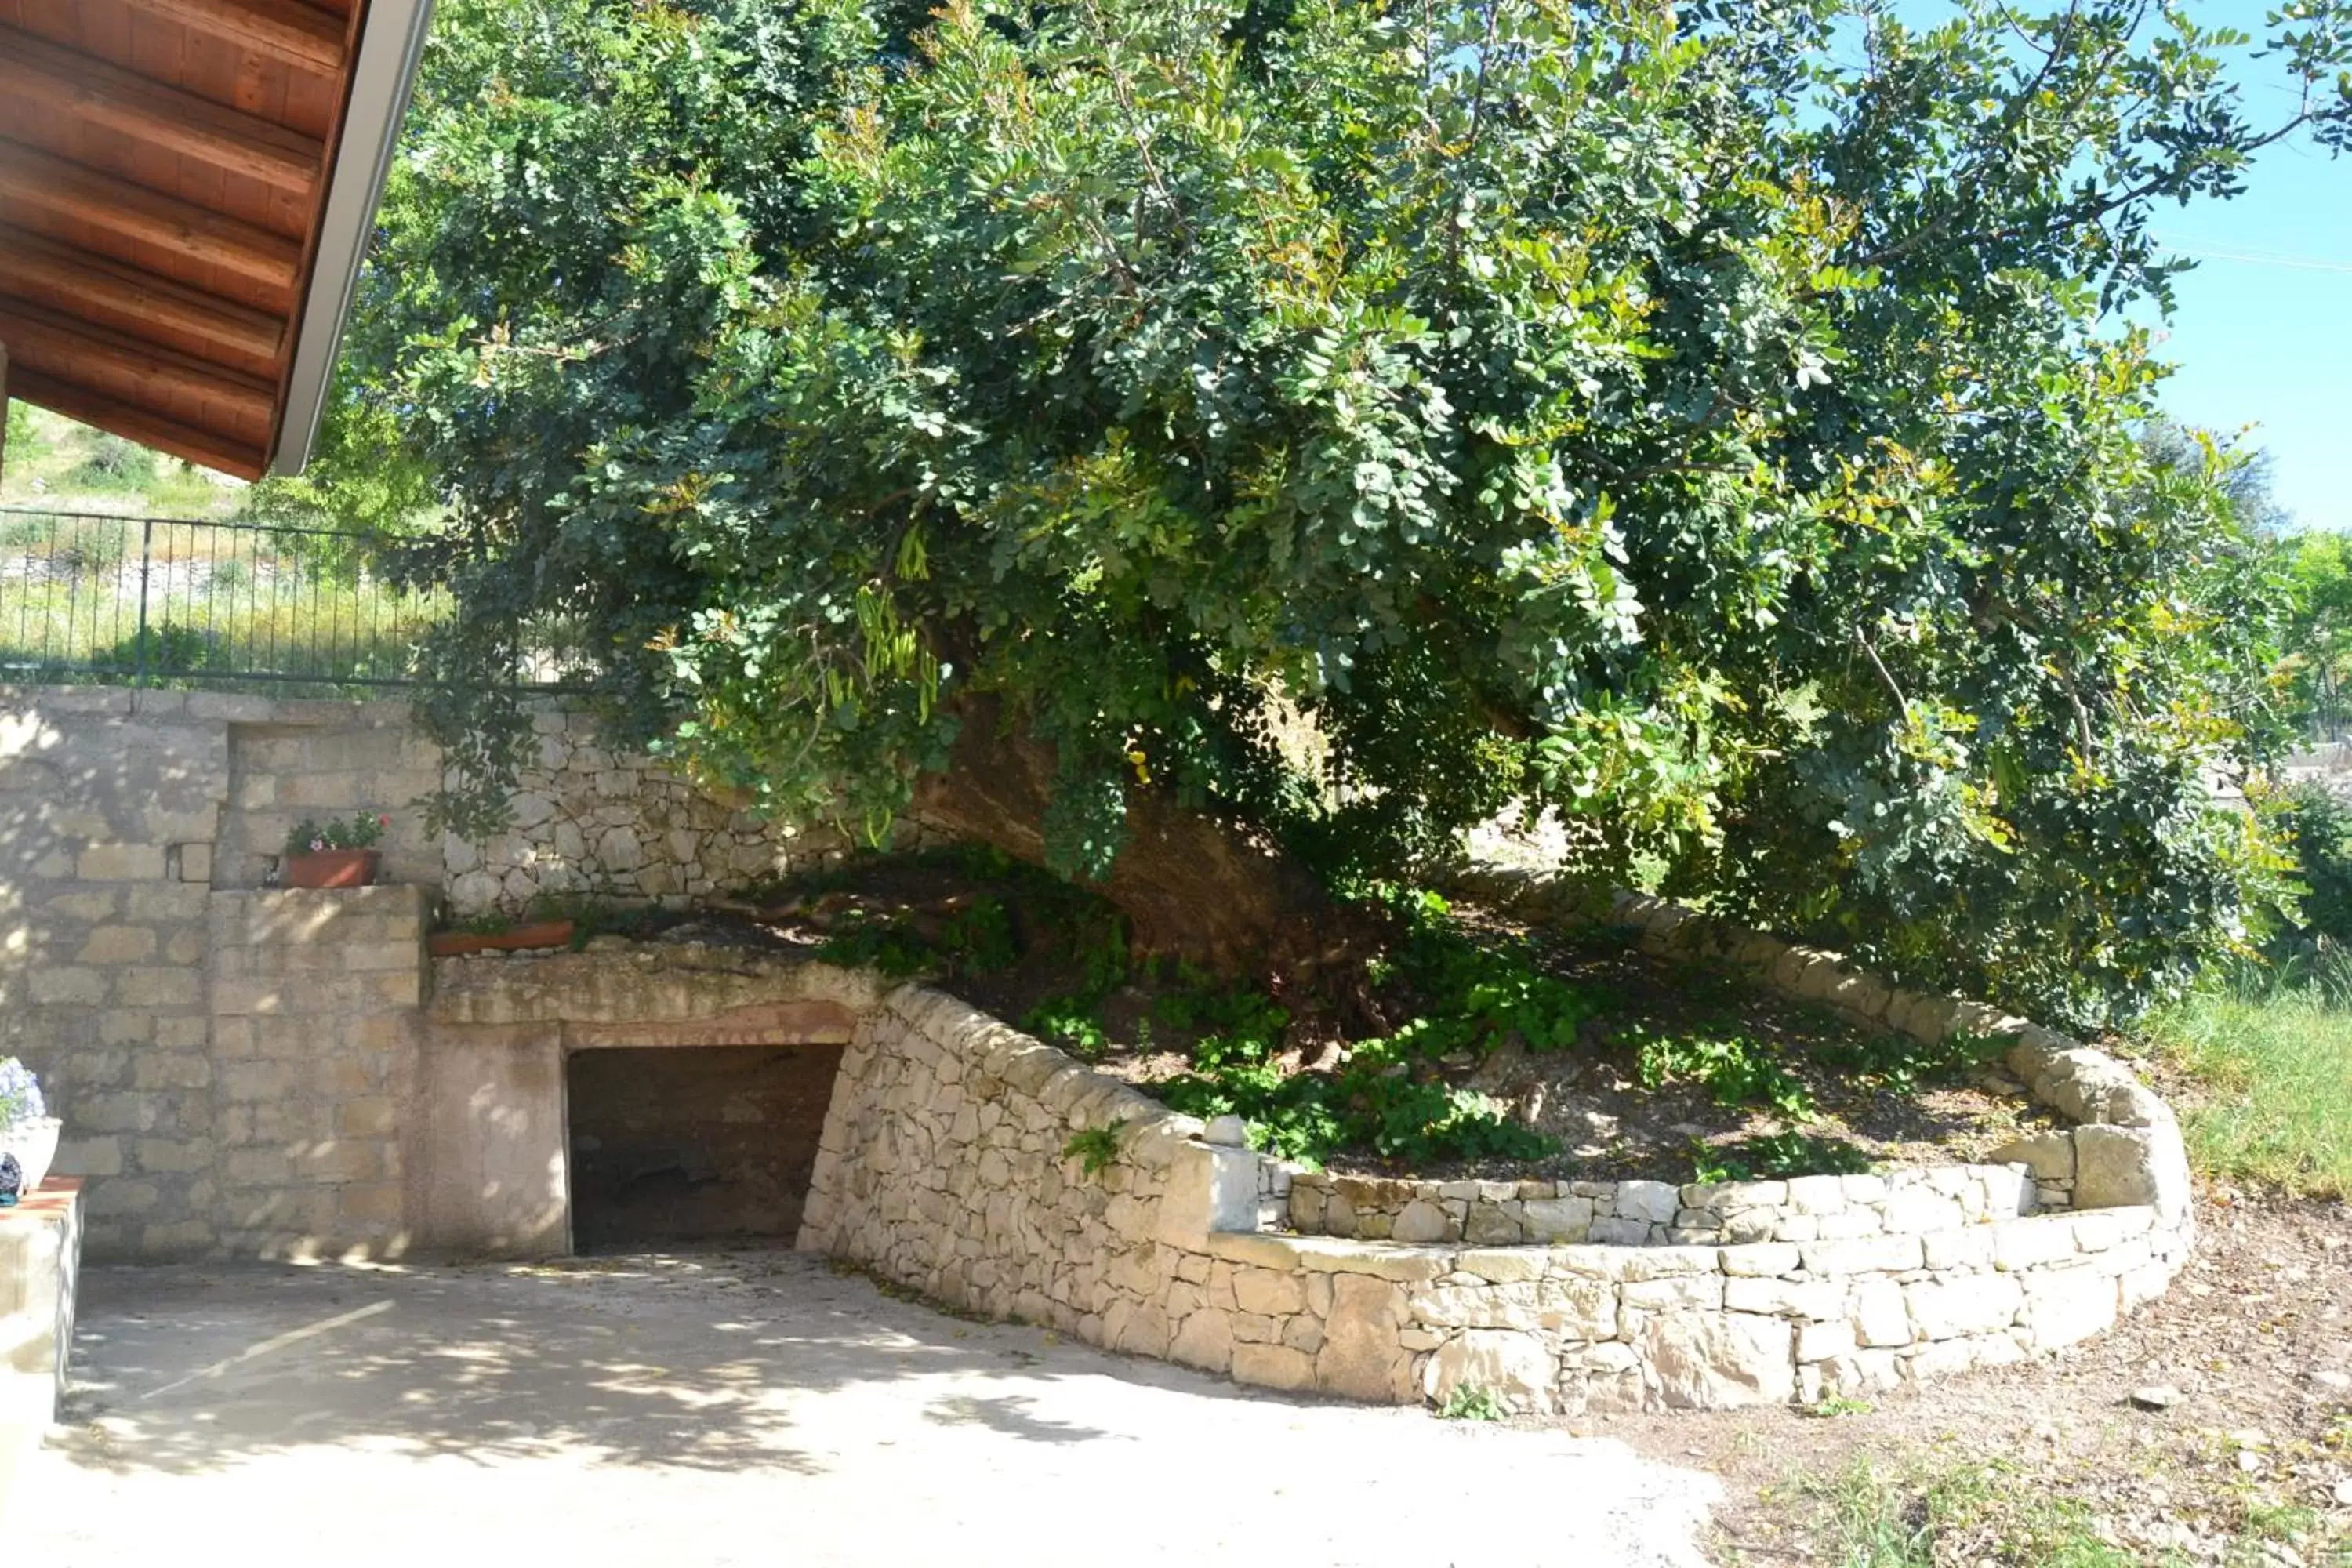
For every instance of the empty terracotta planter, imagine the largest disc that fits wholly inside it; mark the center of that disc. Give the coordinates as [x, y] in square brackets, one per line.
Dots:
[455, 943]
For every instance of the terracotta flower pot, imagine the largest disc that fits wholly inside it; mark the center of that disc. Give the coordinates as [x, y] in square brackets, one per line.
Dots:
[453, 943]
[332, 869]
[34, 1141]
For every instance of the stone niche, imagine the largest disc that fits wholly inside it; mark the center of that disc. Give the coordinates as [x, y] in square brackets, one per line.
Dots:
[693, 1144]
[635, 1096]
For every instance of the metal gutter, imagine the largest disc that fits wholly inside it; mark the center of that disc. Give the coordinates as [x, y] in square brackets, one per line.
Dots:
[389, 51]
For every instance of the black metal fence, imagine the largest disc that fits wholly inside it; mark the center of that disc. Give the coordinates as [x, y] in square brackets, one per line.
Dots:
[164, 601]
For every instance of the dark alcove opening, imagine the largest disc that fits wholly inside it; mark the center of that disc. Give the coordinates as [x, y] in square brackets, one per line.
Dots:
[694, 1143]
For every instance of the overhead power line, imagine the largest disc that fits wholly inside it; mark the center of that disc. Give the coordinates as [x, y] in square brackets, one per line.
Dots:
[2207, 251]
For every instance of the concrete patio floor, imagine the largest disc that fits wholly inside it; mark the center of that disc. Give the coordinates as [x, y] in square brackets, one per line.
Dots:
[751, 1408]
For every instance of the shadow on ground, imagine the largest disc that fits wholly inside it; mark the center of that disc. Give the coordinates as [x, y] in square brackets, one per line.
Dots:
[748, 1410]
[692, 1361]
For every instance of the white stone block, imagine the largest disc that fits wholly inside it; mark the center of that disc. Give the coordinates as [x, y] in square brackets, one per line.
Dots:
[1973, 1305]
[1816, 1195]
[2063, 1306]
[1825, 1341]
[1517, 1368]
[1718, 1361]
[1815, 1298]
[1880, 1317]
[1759, 1260]
[1864, 1255]
[1568, 1219]
[1652, 1202]
[2032, 1243]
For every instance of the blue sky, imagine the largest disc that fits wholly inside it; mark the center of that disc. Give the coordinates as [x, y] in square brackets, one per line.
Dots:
[2263, 331]
[2262, 334]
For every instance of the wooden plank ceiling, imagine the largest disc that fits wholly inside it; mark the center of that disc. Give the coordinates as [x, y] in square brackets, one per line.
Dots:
[164, 171]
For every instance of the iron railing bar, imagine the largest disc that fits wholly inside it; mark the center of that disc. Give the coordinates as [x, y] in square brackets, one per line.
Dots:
[73, 599]
[146, 562]
[285, 678]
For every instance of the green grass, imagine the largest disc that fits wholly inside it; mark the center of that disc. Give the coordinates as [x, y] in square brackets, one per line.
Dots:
[1879, 1517]
[2279, 1065]
[55, 462]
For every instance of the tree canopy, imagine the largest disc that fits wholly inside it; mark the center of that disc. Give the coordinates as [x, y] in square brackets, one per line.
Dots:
[1214, 446]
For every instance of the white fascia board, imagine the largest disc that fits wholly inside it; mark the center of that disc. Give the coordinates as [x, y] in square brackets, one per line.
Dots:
[389, 46]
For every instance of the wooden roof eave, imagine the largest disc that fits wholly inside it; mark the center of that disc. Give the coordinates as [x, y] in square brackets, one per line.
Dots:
[187, 188]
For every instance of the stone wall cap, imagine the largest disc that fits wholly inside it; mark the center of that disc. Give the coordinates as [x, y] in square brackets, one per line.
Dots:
[1332, 1255]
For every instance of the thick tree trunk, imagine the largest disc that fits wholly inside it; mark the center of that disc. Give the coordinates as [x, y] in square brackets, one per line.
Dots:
[1191, 886]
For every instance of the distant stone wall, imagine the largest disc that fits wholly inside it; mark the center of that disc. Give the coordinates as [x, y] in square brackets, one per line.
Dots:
[589, 818]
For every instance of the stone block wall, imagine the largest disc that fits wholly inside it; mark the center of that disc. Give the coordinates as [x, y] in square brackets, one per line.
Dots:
[203, 1037]
[495, 1174]
[945, 1165]
[289, 761]
[316, 1033]
[589, 818]
[1659, 1214]
[253, 1071]
[110, 806]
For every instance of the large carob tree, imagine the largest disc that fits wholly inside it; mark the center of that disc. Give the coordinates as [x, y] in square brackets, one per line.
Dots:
[1221, 448]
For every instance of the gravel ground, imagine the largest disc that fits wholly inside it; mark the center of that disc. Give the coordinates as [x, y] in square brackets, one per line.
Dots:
[751, 1408]
[2246, 1457]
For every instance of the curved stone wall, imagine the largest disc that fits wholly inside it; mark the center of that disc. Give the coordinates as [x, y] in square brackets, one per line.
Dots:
[947, 1166]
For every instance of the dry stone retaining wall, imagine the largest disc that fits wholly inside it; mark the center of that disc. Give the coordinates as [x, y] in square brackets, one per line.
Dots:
[590, 816]
[1658, 1214]
[944, 1166]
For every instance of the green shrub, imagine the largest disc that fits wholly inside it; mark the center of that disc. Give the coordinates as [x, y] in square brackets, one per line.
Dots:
[1468, 1402]
[1770, 1156]
[1481, 992]
[1735, 1070]
[1902, 1063]
[974, 939]
[891, 946]
[2316, 825]
[1071, 1023]
[978, 938]
[169, 649]
[112, 465]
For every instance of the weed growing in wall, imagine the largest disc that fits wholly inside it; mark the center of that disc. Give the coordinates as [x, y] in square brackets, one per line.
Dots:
[1094, 1148]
